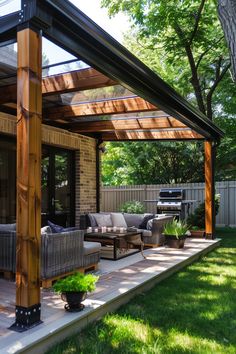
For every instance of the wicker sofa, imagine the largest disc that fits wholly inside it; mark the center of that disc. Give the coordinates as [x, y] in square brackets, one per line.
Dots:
[61, 254]
[152, 237]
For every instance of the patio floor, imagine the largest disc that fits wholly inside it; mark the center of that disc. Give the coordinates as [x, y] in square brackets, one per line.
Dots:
[119, 282]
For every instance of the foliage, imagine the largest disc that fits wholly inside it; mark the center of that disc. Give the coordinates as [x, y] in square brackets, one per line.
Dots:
[133, 207]
[150, 163]
[76, 282]
[183, 42]
[195, 313]
[226, 152]
[197, 219]
[186, 35]
[175, 228]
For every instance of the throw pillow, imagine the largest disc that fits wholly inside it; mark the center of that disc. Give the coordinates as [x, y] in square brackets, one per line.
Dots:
[55, 228]
[146, 218]
[103, 219]
[149, 224]
[92, 220]
[133, 219]
[118, 220]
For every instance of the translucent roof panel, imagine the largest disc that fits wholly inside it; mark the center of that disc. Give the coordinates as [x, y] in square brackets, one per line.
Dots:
[94, 95]
[122, 116]
[57, 60]
[9, 6]
[8, 64]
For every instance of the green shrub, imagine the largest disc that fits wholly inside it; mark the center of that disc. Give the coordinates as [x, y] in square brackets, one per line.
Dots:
[197, 219]
[133, 207]
[76, 282]
[175, 228]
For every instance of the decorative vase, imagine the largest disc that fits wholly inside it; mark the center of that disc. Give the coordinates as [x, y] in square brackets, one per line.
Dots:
[174, 242]
[74, 299]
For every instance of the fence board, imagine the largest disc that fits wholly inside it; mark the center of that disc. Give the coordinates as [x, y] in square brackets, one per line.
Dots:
[114, 197]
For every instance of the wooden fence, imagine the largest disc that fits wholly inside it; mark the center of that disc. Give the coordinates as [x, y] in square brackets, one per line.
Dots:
[114, 197]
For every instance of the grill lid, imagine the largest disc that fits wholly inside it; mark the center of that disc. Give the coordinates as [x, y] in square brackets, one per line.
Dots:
[172, 193]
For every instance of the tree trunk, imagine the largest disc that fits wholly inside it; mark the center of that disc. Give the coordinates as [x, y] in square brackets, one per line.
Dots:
[227, 15]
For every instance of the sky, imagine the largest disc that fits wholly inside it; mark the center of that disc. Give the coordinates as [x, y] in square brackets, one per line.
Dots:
[115, 26]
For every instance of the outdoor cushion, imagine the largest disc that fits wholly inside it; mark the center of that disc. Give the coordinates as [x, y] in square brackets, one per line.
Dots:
[55, 229]
[145, 232]
[150, 224]
[133, 219]
[118, 220]
[103, 219]
[91, 247]
[7, 227]
[146, 218]
[93, 222]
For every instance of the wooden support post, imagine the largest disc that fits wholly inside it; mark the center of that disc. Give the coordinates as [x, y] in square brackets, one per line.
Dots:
[29, 120]
[209, 189]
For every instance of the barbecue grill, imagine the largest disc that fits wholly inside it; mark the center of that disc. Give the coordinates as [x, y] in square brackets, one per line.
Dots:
[172, 201]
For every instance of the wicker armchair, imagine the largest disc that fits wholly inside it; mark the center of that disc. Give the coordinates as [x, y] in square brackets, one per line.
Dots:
[61, 254]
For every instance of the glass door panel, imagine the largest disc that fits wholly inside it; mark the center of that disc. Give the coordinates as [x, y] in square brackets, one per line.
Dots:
[57, 201]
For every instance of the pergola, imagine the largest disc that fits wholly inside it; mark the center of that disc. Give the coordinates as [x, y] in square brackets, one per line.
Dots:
[114, 98]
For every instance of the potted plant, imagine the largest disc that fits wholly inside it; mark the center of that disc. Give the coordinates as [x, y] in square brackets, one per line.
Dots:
[74, 288]
[175, 233]
[197, 219]
[196, 231]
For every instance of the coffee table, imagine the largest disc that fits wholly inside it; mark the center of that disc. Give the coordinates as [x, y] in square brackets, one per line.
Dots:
[117, 244]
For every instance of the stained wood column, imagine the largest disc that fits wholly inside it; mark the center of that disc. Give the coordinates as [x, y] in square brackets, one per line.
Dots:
[209, 189]
[29, 118]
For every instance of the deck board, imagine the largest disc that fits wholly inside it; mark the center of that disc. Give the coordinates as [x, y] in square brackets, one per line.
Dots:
[119, 281]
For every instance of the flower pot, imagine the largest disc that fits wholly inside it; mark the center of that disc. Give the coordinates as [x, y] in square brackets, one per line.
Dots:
[73, 299]
[174, 242]
[197, 233]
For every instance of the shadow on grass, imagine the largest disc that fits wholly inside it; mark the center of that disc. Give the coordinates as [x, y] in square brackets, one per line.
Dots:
[193, 311]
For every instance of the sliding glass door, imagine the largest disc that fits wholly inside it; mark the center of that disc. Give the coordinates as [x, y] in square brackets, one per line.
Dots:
[58, 203]
[57, 186]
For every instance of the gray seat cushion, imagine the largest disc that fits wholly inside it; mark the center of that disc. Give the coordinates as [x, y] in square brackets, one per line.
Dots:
[7, 227]
[91, 247]
[145, 232]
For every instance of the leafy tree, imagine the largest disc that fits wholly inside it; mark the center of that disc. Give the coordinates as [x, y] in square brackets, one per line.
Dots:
[188, 35]
[153, 162]
[183, 42]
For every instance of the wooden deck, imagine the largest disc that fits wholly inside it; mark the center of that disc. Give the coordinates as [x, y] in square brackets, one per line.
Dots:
[118, 283]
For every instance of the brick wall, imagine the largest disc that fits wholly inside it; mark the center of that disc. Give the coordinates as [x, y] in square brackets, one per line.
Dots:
[85, 160]
[85, 178]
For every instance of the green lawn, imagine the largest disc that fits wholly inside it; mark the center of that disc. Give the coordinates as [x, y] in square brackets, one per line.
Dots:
[193, 311]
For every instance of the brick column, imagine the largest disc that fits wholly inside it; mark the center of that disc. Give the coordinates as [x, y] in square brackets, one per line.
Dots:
[85, 178]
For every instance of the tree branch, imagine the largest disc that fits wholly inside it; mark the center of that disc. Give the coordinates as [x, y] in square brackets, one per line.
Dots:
[194, 79]
[207, 50]
[198, 17]
[219, 76]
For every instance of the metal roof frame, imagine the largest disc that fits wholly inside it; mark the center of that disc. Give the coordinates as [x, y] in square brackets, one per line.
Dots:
[68, 27]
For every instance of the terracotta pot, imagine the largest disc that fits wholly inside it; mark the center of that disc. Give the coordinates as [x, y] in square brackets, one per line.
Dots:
[174, 242]
[197, 233]
[73, 299]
